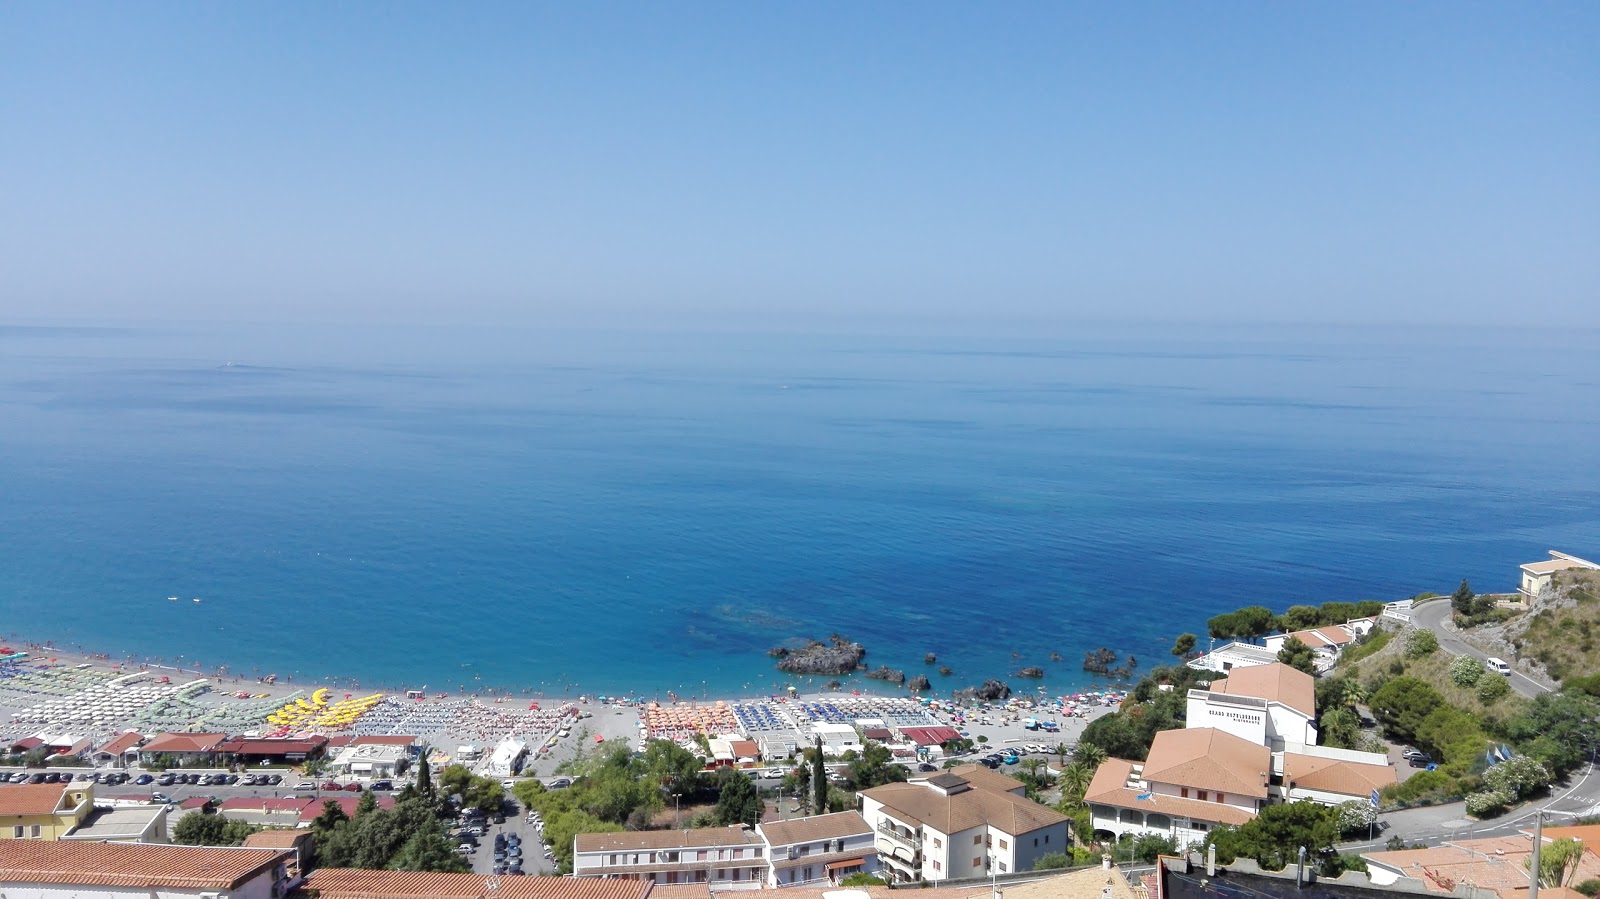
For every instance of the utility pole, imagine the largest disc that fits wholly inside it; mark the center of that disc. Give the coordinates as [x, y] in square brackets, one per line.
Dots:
[675, 810]
[1533, 862]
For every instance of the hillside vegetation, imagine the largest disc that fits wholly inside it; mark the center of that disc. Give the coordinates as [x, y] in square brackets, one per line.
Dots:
[1563, 634]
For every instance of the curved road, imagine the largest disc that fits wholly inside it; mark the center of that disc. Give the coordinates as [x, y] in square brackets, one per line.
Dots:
[1432, 615]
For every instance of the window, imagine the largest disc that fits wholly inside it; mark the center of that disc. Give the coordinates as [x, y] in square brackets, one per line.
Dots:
[936, 866]
[1047, 839]
[977, 839]
[977, 862]
[36, 832]
[1221, 797]
[936, 843]
[1002, 867]
[613, 860]
[1035, 841]
[1004, 845]
[17, 831]
[1204, 796]
[700, 856]
[806, 872]
[1184, 792]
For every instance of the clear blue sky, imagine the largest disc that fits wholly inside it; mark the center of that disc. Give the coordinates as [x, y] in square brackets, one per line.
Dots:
[802, 162]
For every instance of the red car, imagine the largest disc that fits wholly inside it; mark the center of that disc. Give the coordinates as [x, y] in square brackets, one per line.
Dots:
[331, 785]
[352, 788]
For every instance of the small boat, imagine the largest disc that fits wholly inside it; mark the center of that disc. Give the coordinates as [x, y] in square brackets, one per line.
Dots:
[197, 599]
[172, 599]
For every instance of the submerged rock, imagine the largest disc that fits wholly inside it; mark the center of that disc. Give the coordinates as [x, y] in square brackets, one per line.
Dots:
[892, 675]
[929, 659]
[989, 691]
[919, 683]
[1031, 671]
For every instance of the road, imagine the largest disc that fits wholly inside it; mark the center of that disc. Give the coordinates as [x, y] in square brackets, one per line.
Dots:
[1432, 615]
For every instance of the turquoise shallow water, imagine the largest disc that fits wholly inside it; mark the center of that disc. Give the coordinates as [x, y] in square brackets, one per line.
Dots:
[650, 512]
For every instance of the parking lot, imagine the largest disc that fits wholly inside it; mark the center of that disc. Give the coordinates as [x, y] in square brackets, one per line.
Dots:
[517, 830]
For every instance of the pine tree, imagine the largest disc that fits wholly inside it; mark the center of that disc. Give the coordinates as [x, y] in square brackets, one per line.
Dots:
[819, 783]
[1462, 599]
[424, 776]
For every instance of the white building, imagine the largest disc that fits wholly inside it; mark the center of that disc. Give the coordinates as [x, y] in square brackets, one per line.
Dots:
[818, 851]
[1192, 780]
[1326, 642]
[1537, 575]
[965, 822]
[1330, 776]
[36, 869]
[507, 757]
[836, 738]
[1229, 656]
[1269, 705]
[720, 857]
[368, 760]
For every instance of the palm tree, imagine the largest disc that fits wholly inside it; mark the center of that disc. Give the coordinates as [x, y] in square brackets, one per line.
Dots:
[1089, 755]
[1061, 755]
[1075, 780]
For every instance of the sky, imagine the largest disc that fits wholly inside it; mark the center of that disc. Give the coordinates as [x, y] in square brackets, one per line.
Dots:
[795, 164]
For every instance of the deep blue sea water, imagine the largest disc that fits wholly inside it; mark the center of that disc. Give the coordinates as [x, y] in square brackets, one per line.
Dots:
[642, 512]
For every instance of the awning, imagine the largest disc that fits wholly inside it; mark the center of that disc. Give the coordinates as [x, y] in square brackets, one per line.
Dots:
[360, 766]
[847, 863]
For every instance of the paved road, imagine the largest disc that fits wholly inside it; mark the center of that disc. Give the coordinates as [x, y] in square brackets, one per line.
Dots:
[1432, 615]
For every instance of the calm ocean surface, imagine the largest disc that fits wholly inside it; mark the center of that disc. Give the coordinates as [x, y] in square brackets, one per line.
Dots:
[642, 512]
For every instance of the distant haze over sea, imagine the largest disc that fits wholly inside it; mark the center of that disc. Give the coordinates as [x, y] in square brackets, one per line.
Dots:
[644, 512]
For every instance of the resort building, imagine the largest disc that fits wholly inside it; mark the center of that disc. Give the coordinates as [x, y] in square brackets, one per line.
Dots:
[1270, 705]
[733, 750]
[378, 760]
[1233, 655]
[298, 843]
[505, 761]
[120, 751]
[722, 857]
[818, 851]
[43, 811]
[37, 870]
[185, 750]
[1191, 781]
[267, 811]
[1537, 575]
[965, 822]
[1330, 776]
[1326, 642]
[356, 883]
[837, 738]
[272, 752]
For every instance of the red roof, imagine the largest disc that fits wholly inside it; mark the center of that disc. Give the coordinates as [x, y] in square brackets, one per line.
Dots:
[347, 802]
[184, 743]
[340, 741]
[27, 743]
[244, 746]
[137, 866]
[122, 744]
[929, 736]
[195, 802]
[253, 804]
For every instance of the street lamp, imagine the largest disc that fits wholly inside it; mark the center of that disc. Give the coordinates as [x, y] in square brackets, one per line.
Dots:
[675, 810]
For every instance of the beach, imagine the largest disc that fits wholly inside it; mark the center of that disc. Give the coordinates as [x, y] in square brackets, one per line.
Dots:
[72, 696]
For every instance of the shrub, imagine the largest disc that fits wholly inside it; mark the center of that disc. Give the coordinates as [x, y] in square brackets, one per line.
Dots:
[1517, 777]
[1590, 888]
[1421, 643]
[1487, 804]
[1492, 688]
[1466, 670]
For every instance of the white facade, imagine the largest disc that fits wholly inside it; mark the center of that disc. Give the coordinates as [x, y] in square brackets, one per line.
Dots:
[721, 857]
[811, 859]
[1267, 722]
[372, 760]
[1233, 655]
[837, 738]
[507, 757]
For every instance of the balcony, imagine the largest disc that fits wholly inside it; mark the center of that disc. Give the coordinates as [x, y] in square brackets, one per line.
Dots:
[904, 837]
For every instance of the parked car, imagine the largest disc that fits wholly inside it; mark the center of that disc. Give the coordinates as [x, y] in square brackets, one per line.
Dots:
[382, 785]
[305, 785]
[144, 779]
[1413, 754]
[352, 787]
[330, 785]
[1420, 761]
[925, 767]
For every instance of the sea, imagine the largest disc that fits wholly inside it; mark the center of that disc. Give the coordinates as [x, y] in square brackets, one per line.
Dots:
[616, 512]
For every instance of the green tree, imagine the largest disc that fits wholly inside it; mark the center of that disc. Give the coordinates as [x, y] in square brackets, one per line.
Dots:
[1557, 729]
[198, 829]
[1274, 837]
[1050, 861]
[331, 818]
[1297, 655]
[874, 767]
[367, 804]
[1557, 860]
[1256, 622]
[1224, 626]
[819, 781]
[1465, 671]
[737, 801]
[428, 849]
[1462, 600]
[1340, 727]
[1183, 645]
[1401, 705]
[860, 879]
[1421, 643]
[1491, 689]
[1299, 618]
[425, 776]
[1075, 780]
[675, 768]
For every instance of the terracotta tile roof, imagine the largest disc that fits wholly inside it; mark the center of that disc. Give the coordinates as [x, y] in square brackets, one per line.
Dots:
[184, 743]
[137, 865]
[1109, 787]
[119, 745]
[680, 891]
[1207, 758]
[818, 827]
[272, 747]
[1312, 772]
[351, 883]
[194, 802]
[984, 778]
[292, 804]
[648, 840]
[1006, 812]
[1587, 834]
[1275, 682]
[1089, 883]
[823, 858]
[929, 736]
[1495, 863]
[276, 838]
[744, 748]
[31, 799]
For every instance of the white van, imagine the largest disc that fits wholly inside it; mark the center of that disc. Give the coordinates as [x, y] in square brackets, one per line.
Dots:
[1499, 665]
